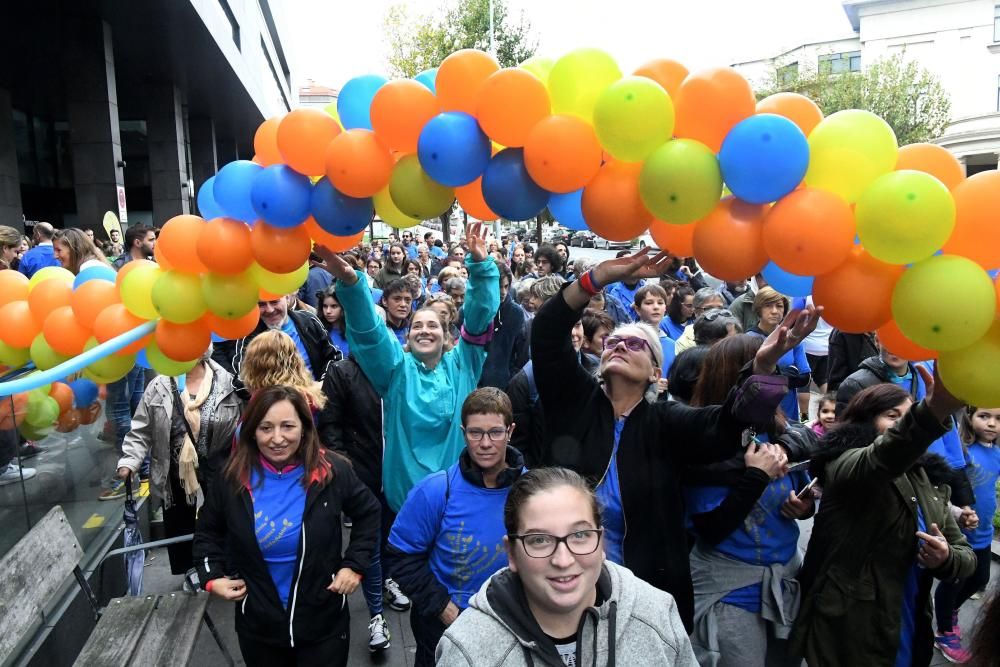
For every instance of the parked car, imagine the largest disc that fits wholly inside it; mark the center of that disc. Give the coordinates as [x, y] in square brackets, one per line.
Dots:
[646, 241]
[600, 242]
[582, 240]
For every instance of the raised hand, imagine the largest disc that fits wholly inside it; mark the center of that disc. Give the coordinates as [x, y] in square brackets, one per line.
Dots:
[940, 401]
[793, 329]
[476, 242]
[337, 266]
[638, 265]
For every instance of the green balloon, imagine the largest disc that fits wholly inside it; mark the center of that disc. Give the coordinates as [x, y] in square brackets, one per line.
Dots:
[415, 193]
[166, 366]
[178, 297]
[944, 303]
[110, 368]
[633, 117]
[137, 291]
[229, 297]
[577, 80]
[14, 357]
[34, 433]
[905, 216]
[681, 181]
[44, 413]
[44, 356]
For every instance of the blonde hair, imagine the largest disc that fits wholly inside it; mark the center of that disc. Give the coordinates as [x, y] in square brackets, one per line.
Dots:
[273, 360]
[441, 297]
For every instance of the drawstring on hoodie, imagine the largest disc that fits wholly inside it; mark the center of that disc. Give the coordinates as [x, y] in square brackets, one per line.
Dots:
[593, 614]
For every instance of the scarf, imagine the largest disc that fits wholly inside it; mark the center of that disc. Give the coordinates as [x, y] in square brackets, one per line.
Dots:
[188, 460]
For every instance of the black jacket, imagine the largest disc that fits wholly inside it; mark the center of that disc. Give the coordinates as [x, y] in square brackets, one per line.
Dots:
[507, 352]
[847, 351]
[412, 571]
[351, 421]
[658, 439]
[229, 353]
[225, 544]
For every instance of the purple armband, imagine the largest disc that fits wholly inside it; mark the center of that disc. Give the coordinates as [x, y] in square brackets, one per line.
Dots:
[481, 339]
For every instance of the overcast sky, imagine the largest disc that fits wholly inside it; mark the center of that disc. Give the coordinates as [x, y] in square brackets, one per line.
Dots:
[334, 40]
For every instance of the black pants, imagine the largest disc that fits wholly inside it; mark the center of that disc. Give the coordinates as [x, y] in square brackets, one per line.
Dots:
[178, 519]
[950, 595]
[427, 632]
[331, 652]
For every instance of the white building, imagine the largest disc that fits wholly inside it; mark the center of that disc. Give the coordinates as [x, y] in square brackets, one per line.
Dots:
[958, 40]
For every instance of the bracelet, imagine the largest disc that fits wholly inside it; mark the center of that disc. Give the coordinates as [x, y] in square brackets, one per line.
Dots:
[208, 585]
[589, 285]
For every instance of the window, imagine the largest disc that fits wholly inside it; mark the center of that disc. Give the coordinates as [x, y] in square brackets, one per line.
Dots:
[788, 74]
[996, 23]
[838, 63]
[234, 24]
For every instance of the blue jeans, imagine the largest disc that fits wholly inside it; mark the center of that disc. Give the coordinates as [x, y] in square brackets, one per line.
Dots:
[123, 399]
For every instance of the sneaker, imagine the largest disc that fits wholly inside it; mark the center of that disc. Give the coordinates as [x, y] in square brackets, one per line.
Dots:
[394, 596]
[114, 491]
[954, 624]
[29, 449]
[378, 634]
[15, 473]
[951, 648]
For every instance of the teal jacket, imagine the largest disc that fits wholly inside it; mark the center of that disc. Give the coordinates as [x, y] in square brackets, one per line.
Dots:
[421, 407]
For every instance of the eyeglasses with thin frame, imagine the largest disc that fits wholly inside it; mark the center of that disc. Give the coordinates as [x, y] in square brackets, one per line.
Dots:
[633, 343]
[543, 545]
[477, 434]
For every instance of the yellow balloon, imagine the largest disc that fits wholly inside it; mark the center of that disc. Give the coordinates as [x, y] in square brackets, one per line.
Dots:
[137, 291]
[848, 150]
[415, 193]
[279, 283]
[110, 368]
[633, 117]
[540, 66]
[390, 213]
[13, 357]
[971, 373]
[51, 273]
[578, 78]
[229, 297]
[44, 356]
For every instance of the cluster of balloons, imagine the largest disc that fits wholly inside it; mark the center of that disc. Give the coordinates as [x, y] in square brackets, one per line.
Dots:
[57, 406]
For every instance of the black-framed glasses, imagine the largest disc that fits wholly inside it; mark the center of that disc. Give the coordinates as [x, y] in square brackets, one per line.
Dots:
[543, 545]
[713, 315]
[477, 434]
[633, 343]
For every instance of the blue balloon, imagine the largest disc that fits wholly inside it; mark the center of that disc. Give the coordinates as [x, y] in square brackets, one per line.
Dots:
[355, 101]
[452, 149]
[208, 208]
[509, 190]
[142, 360]
[429, 78]
[280, 196]
[763, 158]
[337, 213]
[993, 273]
[567, 209]
[216, 338]
[232, 189]
[84, 392]
[95, 273]
[787, 283]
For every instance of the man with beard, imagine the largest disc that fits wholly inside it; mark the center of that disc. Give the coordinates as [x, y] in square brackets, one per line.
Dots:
[139, 243]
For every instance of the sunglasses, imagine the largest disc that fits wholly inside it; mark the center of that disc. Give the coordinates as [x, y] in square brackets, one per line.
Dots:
[632, 343]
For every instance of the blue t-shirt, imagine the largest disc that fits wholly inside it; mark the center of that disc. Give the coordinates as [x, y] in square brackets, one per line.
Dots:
[609, 495]
[278, 505]
[672, 329]
[625, 296]
[339, 341]
[38, 258]
[463, 536]
[908, 615]
[411, 251]
[904, 381]
[438, 252]
[983, 471]
[765, 538]
[289, 328]
[669, 352]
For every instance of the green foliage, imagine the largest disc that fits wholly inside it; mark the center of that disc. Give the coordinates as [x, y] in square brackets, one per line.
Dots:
[417, 43]
[910, 98]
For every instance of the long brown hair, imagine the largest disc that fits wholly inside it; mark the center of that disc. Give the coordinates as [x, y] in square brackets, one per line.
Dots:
[872, 401]
[81, 248]
[246, 455]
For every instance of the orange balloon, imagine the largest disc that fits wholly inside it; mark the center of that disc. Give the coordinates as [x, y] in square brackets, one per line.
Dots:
[90, 298]
[324, 238]
[63, 332]
[19, 326]
[13, 286]
[728, 241]
[89, 414]
[13, 410]
[357, 164]
[809, 232]
[510, 103]
[48, 295]
[232, 329]
[63, 395]
[159, 259]
[265, 143]
[797, 108]
[224, 246]
[934, 160]
[678, 240]
[562, 153]
[459, 78]
[470, 198]
[977, 220]
[857, 295]
[668, 73]
[182, 342]
[710, 103]
[611, 203]
[178, 240]
[303, 135]
[129, 267]
[399, 110]
[891, 338]
[279, 249]
[68, 421]
[116, 320]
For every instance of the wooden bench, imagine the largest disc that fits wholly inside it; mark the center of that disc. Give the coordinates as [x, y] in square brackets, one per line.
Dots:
[152, 630]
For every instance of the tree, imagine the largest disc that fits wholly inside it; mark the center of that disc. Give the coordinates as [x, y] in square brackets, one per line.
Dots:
[422, 42]
[908, 97]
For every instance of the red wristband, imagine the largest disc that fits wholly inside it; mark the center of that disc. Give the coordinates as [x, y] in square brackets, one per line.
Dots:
[588, 284]
[208, 585]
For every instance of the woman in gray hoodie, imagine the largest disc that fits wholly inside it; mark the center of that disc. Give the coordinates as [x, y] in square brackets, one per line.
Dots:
[560, 602]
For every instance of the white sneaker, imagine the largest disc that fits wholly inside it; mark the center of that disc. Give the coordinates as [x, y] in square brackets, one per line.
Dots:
[394, 596]
[15, 473]
[378, 634]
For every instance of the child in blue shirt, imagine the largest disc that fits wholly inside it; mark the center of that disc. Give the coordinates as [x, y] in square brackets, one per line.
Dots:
[651, 305]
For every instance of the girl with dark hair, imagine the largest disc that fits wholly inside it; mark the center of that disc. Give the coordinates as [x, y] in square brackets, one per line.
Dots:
[882, 533]
[559, 601]
[394, 266]
[680, 313]
[269, 536]
[333, 319]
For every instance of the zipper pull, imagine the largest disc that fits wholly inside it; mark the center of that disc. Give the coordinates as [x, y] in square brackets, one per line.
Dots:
[748, 437]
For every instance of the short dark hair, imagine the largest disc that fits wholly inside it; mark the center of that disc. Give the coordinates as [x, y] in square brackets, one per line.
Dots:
[136, 233]
[541, 480]
[684, 372]
[504, 271]
[552, 255]
[593, 320]
[395, 287]
[650, 289]
[488, 401]
[682, 292]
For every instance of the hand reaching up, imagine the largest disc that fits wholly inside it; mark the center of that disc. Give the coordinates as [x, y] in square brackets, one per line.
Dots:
[337, 266]
[474, 238]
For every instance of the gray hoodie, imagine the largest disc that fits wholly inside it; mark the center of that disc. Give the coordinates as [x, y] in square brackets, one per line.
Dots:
[498, 629]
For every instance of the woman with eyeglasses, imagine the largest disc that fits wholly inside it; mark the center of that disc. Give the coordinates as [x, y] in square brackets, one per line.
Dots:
[631, 447]
[448, 537]
[560, 601]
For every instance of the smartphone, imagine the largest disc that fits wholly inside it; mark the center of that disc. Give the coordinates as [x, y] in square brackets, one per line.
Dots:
[806, 489]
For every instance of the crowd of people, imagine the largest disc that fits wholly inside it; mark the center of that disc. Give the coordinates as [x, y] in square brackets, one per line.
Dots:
[549, 460]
